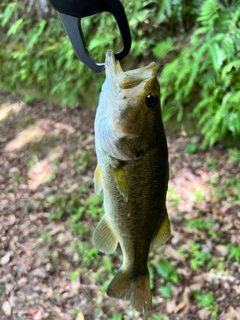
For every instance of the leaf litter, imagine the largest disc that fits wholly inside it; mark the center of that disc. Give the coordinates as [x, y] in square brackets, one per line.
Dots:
[49, 268]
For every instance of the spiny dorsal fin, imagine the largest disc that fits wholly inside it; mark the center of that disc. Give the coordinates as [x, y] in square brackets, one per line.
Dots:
[103, 237]
[120, 178]
[163, 232]
[98, 184]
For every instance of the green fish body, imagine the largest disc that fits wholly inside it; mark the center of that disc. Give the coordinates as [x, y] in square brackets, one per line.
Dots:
[132, 172]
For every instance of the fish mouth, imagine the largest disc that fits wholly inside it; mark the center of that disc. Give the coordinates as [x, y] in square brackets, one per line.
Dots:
[128, 79]
[112, 66]
[125, 91]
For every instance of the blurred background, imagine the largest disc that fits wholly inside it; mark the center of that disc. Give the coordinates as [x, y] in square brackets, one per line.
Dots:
[195, 44]
[49, 268]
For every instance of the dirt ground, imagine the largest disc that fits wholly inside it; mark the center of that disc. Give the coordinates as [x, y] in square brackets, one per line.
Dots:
[48, 211]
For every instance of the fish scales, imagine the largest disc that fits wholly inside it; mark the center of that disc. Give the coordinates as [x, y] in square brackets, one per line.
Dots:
[144, 178]
[132, 172]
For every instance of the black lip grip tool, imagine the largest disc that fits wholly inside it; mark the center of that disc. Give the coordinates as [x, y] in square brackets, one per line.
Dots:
[71, 12]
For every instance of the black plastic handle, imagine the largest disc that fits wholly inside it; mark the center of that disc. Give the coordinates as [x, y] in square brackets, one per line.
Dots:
[77, 8]
[71, 12]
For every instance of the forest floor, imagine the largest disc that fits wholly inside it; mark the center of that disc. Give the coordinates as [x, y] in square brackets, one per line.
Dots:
[49, 268]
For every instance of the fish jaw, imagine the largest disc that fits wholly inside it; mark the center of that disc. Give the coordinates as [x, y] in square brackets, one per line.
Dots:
[112, 66]
[127, 79]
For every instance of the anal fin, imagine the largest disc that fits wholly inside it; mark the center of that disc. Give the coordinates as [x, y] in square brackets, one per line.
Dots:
[164, 231]
[103, 237]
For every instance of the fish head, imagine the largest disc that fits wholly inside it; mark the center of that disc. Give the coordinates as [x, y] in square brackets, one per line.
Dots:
[129, 109]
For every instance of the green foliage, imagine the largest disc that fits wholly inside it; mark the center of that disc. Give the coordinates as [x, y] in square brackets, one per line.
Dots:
[74, 274]
[206, 300]
[211, 163]
[197, 44]
[192, 146]
[199, 194]
[117, 317]
[63, 204]
[204, 72]
[199, 257]
[2, 290]
[234, 156]
[200, 224]
[166, 290]
[167, 271]
[159, 317]
[94, 206]
[234, 252]
[206, 226]
[37, 57]
[172, 196]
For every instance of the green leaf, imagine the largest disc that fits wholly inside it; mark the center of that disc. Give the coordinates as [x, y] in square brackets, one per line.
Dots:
[167, 271]
[234, 252]
[166, 290]
[7, 14]
[209, 12]
[74, 274]
[215, 55]
[40, 27]
[14, 28]
[165, 6]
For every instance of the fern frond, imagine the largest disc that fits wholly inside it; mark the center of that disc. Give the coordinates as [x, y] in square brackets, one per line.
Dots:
[170, 70]
[209, 79]
[228, 68]
[163, 48]
[216, 55]
[209, 11]
[195, 67]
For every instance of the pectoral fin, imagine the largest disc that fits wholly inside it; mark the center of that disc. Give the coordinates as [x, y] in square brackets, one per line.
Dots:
[120, 178]
[98, 185]
[103, 237]
[163, 232]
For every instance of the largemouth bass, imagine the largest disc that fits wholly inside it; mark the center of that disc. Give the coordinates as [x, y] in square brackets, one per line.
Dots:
[132, 172]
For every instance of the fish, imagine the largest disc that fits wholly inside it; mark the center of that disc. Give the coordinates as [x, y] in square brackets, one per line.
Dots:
[132, 172]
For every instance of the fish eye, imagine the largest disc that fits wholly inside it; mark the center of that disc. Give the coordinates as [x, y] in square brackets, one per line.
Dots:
[152, 100]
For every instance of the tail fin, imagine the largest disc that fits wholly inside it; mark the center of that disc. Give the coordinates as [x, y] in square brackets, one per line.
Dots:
[137, 290]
